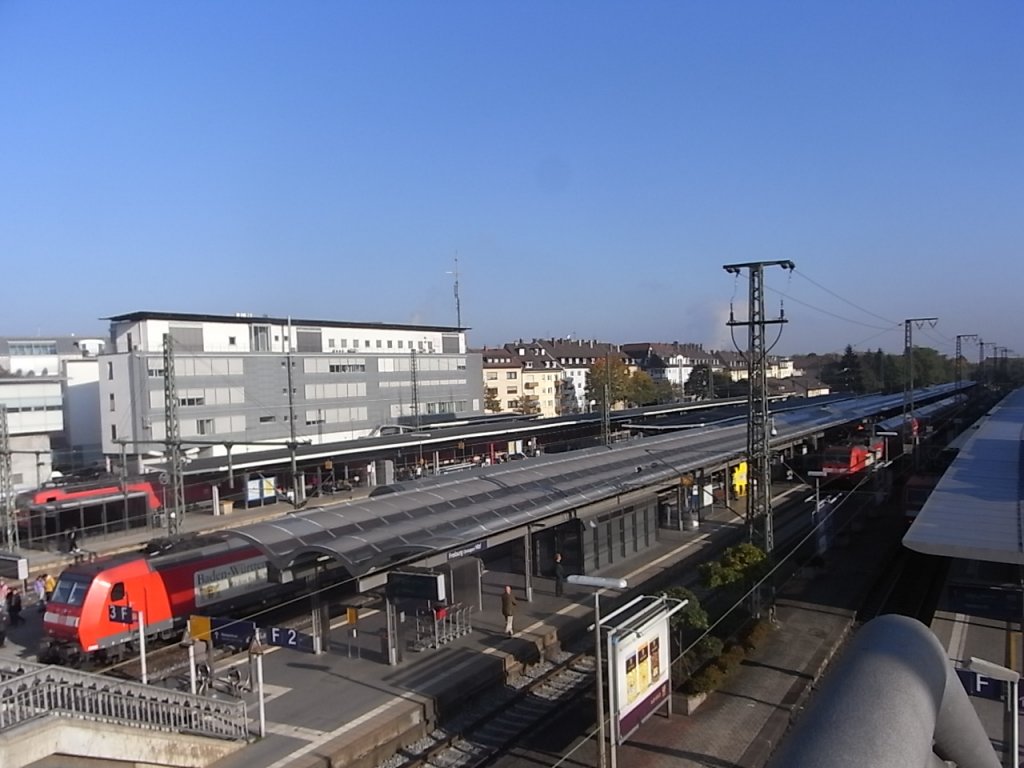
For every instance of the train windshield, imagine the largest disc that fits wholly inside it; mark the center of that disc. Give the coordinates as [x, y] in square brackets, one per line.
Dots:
[71, 590]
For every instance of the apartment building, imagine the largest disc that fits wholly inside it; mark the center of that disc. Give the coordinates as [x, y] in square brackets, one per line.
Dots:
[671, 362]
[252, 381]
[543, 376]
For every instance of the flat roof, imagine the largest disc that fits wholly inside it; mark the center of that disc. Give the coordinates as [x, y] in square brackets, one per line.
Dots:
[134, 317]
[974, 513]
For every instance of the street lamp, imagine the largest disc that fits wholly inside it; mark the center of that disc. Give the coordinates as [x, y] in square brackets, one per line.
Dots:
[996, 672]
[600, 583]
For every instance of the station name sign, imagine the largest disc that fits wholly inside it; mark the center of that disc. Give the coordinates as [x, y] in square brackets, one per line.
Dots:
[472, 549]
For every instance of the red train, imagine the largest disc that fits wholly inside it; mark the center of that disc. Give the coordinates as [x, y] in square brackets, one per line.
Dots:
[207, 575]
[852, 457]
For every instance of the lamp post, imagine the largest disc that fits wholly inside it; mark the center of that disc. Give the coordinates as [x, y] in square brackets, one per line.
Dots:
[996, 672]
[599, 583]
[256, 650]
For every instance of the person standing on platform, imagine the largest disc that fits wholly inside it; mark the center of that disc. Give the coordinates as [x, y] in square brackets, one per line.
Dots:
[49, 585]
[559, 575]
[508, 608]
[39, 586]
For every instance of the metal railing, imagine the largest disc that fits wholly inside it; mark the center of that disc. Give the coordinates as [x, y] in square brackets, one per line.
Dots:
[33, 691]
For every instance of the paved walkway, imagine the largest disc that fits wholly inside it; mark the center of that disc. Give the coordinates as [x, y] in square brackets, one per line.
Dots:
[740, 725]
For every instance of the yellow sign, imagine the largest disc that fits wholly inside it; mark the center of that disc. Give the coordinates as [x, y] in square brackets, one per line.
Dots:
[353, 615]
[199, 628]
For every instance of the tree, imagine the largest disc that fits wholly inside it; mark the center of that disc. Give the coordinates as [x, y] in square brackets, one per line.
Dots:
[641, 389]
[740, 564]
[492, 403]
[608, 373]
[667, 392]
[529, 405]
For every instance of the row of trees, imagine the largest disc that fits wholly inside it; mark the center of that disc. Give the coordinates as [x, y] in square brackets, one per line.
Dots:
[855, 372]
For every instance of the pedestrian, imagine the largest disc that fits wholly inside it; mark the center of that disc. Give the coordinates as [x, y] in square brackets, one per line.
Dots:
[73, 540]
[16, 617]
[508, 608]
[4, 621]
[39, 587]
[49, 585]
[559, 575]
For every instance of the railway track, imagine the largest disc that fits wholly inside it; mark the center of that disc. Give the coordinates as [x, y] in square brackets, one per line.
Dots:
[487, 728]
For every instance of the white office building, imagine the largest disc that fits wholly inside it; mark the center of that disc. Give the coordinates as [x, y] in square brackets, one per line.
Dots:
[257, 382]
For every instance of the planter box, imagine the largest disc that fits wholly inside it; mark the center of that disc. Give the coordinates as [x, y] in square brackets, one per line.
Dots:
[691, 702]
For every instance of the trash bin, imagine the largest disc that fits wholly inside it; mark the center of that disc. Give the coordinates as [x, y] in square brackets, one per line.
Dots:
[227, 507]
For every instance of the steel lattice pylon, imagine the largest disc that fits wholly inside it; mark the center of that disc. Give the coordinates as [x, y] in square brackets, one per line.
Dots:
[759, 491]
[176, 508]
[10, 520]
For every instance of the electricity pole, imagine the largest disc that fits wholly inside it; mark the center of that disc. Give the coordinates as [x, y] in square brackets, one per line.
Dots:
[958, 364]
[908, 356]
[7, 484]
[759, 495]
[172, 440]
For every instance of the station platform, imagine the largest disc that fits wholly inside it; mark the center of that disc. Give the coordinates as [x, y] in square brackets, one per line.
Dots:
[347, 707]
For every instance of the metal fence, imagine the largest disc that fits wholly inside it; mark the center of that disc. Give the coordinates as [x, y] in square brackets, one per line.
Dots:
[32, 691]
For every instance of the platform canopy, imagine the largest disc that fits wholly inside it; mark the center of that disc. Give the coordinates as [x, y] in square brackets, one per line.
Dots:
[974, 513]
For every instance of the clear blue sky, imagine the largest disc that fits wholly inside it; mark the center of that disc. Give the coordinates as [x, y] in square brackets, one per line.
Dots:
[593, 165]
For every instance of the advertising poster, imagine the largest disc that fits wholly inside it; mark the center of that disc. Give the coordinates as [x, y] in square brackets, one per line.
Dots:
[643, 663]
[639, 674]
[631, 681]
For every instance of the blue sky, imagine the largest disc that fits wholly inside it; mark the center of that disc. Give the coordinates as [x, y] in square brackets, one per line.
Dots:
[592, 165]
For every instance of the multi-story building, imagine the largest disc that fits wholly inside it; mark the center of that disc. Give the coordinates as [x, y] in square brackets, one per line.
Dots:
[248, 381]
[502, 374]
[48, 387]
[775, 367]
[669, 362]
[575, 358]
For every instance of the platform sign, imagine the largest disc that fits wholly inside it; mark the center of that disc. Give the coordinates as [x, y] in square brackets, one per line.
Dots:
[120, 614]
[286, 637]
[233, 632]
[984, 687]
[416, 586]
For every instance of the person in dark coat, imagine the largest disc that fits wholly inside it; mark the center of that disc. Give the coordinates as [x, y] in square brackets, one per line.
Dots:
[508, 608]
[4, 621]
[15, 608]
[559, 575]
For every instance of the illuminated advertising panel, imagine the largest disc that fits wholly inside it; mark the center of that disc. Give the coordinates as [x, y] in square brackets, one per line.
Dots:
[639, 661]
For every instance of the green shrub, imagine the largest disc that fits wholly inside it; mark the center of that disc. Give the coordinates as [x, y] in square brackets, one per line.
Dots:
[705, 681]
[755, 634]
[730, 659]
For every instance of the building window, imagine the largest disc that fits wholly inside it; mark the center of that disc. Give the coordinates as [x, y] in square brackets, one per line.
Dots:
[511, 374]
[189, 401]
[492, 375]
[232, 341]
[113, 432]
[204, 426]
[390, 343]
[110, 371]
[267, 419]
[112, 401]
[379, 343]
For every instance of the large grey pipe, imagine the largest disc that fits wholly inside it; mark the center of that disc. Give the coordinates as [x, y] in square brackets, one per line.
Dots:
[892, 700]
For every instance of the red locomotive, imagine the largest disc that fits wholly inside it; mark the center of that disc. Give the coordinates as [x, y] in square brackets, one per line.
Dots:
[853, 457]
[208, 575]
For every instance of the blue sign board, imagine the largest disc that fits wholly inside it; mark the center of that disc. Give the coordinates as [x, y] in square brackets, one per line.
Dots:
[120, 614]
[233, 632]
[286, 637]
[984, 687]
